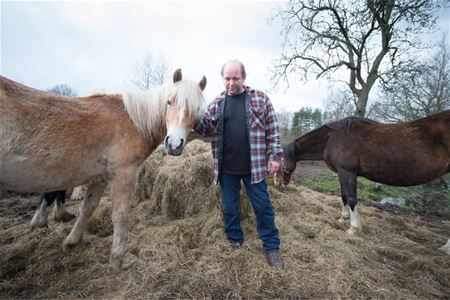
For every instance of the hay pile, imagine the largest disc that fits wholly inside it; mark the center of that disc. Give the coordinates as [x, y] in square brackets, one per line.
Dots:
[176, 233]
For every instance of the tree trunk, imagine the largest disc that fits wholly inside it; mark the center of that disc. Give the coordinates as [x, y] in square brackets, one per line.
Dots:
[361, 106]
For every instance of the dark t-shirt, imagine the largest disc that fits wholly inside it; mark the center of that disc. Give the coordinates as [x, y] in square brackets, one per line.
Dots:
[236, 148]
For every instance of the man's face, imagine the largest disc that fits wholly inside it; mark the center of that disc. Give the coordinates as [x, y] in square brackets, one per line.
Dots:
[232, 79]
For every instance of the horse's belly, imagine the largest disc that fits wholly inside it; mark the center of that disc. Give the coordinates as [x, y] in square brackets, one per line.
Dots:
[23, 174]
[406, 175]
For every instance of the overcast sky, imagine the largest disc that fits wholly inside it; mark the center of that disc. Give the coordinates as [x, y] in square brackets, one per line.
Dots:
[94, 46]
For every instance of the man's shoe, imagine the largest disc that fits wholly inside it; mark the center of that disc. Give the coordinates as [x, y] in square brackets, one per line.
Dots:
[274, 260]
[235, 245]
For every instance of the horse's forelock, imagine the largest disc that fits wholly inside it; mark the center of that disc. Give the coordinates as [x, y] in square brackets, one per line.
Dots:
[190, 96]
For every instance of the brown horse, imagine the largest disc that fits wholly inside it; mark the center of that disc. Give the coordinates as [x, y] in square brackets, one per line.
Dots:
[50, 142]
[402, 154]
[40, 217]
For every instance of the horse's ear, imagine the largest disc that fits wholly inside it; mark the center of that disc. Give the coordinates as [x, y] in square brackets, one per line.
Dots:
[202, 83]
[177, 76]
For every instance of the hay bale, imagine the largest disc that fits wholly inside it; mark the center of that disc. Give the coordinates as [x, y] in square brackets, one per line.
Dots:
[183, 187]
[150, 168]
[180, 187]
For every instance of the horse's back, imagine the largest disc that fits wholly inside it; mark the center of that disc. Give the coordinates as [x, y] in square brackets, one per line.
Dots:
[404, 154]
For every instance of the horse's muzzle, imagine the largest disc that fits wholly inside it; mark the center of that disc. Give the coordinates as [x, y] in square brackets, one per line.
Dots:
[171, 149]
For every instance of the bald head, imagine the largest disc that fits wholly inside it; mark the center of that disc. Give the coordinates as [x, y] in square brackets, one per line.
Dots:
[233, 63]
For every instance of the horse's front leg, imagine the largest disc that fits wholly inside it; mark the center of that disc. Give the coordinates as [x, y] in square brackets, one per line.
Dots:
[348, 191]
[122, 187]
[87, 208]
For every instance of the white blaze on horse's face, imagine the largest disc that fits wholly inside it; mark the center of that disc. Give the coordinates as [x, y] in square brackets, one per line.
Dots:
[178, 126]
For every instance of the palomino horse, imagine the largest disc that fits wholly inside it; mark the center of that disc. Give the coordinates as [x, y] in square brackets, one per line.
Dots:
[402, 154]
[50, 143]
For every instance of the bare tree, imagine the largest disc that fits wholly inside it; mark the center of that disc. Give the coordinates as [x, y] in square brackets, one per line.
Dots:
[361, 41]
[340, 103]
[63, 89]
[284, 119]
[420, 91]
[150, 72]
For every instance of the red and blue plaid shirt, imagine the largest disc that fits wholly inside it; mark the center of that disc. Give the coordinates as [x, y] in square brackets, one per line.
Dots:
[263, 132]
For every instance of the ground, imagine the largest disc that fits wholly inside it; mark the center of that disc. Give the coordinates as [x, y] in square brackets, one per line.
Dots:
[176, 233]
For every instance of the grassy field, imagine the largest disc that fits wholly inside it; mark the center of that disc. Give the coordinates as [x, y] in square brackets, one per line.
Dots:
[430, 197]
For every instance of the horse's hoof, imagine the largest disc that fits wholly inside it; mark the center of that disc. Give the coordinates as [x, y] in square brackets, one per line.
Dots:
[353, 231]
[122, 264]
[128, 261]
[39, 220]
[446, 248]
[66, 246]
[38, 225]
[66, 217]
[341, 220]
[69, 244]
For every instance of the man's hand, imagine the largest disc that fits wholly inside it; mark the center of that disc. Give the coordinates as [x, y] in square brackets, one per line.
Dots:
[273, 166]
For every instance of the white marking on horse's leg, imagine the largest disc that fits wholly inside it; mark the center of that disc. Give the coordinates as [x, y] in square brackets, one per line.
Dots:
[446, 248]
[60, 214]
[40, 216]
[355, 223]
[87, 208]
[78, 193]
[58, 211]
[345, 215]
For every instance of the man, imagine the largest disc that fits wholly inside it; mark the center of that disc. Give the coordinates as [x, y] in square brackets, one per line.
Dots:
[246, 145]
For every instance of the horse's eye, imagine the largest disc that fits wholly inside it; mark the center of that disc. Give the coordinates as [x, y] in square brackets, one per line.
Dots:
[169, 102]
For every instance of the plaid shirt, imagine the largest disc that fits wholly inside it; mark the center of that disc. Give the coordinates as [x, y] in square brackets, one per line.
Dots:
[262, 127]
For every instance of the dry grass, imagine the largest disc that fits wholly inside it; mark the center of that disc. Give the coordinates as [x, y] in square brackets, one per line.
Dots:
[176, 233]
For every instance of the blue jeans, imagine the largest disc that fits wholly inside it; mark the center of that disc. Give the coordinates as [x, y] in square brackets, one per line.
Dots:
[259, 198]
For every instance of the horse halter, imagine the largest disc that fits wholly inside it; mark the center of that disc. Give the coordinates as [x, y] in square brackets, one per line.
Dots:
[280, 177]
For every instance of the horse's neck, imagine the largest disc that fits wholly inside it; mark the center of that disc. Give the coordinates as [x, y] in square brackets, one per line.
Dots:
[147, 111]
[311, 145]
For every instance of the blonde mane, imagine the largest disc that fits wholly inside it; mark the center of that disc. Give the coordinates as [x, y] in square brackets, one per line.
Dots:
[147, 109]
